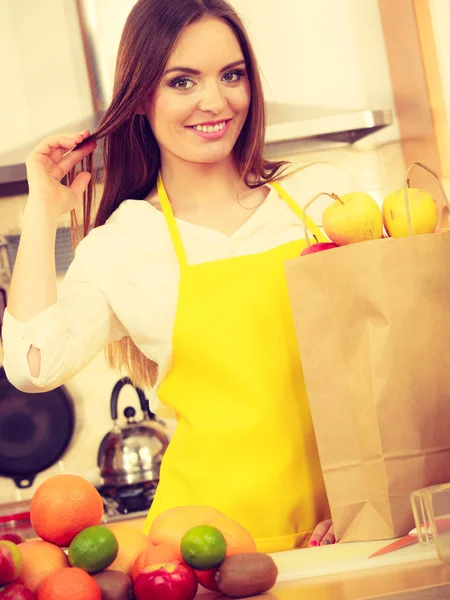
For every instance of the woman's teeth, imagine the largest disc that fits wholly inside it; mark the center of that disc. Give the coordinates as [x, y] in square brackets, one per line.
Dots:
[209, 128]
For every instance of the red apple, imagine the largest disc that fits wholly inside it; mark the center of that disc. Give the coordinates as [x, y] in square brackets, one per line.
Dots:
[17, 591]
[208, 579]
[167, 581]
[10, 562]
[15, 538]
[318, 248]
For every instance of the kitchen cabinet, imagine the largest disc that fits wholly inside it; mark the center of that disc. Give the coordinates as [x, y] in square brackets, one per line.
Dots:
[312, 54]
[43, 70]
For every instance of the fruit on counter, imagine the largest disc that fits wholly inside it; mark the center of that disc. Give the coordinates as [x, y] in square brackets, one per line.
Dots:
[319, 247]
[423, 210]
[168, 581]
[236, 535]
[17, 591]
[10, 561]
[170, 526]
[246, 574]
[64, 505]
[39, 560]
[207, 579]
[131, 543]
[353, 217]
[154, 555]
[69, 583]
[114, 585]
[13, 537]
[203, 547]
[93, 549]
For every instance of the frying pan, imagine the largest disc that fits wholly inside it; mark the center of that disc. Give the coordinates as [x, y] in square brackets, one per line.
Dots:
[35, 430]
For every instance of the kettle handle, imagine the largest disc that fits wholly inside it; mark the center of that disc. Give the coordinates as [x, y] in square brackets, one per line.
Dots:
[142, 399]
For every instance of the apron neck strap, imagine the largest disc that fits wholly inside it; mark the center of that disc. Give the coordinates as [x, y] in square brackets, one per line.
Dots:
[171, 223]
[175, 232]
[298, 211]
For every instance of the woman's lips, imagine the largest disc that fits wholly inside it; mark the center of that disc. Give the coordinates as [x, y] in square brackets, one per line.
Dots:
[213, 135]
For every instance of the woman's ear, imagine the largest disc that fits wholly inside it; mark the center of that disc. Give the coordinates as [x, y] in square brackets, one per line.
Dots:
[140, 110]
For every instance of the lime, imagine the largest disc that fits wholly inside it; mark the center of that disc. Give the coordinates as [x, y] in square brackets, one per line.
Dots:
[93, 549]
[203, 547]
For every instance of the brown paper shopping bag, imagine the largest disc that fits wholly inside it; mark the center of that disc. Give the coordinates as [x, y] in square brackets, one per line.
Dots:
[373, 326]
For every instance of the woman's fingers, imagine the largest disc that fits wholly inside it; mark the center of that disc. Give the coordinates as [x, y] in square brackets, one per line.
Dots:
[80, 184]
[69, 160]
[323, 534]
[64, 141]
[329, 537]
[59, 153]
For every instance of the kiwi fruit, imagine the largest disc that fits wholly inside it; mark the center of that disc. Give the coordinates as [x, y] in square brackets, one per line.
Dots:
[114, 585]
[246, 574]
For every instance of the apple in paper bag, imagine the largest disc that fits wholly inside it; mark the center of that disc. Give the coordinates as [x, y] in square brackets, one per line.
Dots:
[354, 217]
[423, 210]
[319, 247]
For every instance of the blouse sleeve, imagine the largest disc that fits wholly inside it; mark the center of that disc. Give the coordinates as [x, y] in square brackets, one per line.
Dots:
[68, 333]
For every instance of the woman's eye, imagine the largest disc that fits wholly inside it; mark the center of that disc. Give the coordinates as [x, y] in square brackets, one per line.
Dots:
[234, 76]
[182, 83]
[185, 83]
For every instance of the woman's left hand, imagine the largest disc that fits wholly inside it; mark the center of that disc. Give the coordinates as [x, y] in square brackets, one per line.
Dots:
[323, 534]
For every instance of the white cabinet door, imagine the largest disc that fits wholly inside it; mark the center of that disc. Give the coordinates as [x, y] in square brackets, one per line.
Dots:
[44, 78]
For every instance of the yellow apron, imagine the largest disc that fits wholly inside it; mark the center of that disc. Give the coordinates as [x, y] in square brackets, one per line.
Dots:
[244, 441]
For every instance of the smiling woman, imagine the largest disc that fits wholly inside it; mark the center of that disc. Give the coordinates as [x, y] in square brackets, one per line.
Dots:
[181, 278]
[207, 81]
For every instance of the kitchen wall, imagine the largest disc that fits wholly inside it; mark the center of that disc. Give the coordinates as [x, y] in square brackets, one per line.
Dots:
[324, 53]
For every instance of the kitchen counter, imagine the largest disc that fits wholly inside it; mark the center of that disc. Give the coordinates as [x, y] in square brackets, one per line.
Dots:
[344, 571]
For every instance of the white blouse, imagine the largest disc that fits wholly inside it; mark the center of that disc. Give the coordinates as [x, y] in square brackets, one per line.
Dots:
[124, 280]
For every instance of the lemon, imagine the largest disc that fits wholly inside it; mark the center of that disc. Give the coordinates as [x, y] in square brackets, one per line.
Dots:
[93, 549]
[203, 547]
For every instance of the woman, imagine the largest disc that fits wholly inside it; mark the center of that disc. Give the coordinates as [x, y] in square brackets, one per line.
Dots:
[181, 278]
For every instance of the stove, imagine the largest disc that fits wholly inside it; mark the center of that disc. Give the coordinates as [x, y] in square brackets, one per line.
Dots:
[131, 499]
[120, 502]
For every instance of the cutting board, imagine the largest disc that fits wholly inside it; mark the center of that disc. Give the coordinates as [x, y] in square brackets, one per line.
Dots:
[338, 558]
[438, 592]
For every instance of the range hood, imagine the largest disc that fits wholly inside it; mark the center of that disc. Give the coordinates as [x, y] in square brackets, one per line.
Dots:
[290, 128]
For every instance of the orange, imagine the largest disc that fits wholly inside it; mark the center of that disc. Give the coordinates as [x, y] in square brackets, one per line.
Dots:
[39, 560]
[131, 543]
[154, 555]
[171, 525]
[64, 505]
[70, 583]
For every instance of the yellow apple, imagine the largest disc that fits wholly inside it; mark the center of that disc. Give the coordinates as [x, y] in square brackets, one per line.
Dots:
[354, 217]
[423, 209]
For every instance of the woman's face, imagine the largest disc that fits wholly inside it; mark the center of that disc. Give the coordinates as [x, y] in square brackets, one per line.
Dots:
[201, 104]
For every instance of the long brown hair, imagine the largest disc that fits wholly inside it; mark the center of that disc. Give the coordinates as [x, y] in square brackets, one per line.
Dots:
[131, 157]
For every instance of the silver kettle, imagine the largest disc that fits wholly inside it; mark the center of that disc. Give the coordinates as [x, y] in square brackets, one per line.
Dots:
[132, 453]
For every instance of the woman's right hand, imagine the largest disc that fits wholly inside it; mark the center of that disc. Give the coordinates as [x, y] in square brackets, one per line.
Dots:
[48, 163]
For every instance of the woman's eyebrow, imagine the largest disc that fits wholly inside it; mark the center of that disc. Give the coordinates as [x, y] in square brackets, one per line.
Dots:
[196, 72]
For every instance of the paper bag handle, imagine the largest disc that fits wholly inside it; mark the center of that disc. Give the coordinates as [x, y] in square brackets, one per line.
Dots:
[307, 205]
[406, 187]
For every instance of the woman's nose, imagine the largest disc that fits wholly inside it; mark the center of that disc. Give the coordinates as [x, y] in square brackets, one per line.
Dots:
[213, 99]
